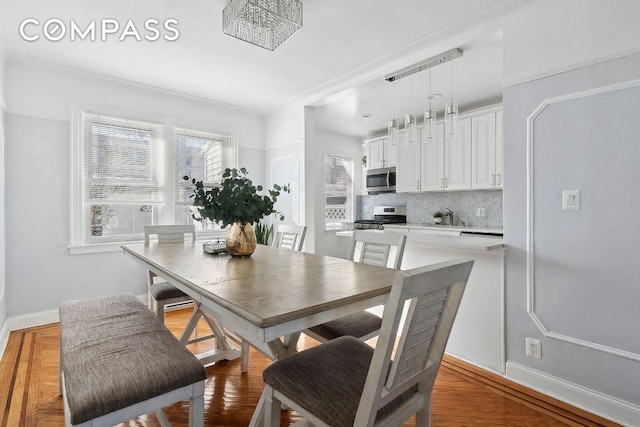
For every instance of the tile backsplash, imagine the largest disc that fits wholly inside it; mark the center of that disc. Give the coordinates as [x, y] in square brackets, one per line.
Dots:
[420, 206]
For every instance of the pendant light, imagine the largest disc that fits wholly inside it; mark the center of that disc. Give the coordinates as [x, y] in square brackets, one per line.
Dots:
[451, 110]
[429, 114]
[392, 126]
[409, 119]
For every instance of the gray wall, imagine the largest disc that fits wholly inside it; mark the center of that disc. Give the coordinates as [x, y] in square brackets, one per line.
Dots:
[3, 291]
[420, 206]
[585, 275]
[40, 272]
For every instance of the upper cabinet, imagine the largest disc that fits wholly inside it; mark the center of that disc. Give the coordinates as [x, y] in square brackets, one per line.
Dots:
[380, 153]
[408, 165]
[487, 151]
[457, 157]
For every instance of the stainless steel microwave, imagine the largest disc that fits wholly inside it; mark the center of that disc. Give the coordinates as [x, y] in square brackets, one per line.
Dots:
[381, 180]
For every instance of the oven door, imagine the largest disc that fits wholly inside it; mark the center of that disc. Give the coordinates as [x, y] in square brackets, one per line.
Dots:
[381, 180]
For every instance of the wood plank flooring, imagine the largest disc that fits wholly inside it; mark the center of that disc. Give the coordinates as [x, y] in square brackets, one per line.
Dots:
[463, 395]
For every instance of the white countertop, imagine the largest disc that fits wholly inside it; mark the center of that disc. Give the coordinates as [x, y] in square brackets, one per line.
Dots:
[444, 236]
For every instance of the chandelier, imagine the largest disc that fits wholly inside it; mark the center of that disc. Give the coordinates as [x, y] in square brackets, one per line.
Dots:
[264, 23]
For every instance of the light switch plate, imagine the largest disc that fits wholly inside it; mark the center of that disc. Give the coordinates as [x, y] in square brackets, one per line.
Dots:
[571, 199]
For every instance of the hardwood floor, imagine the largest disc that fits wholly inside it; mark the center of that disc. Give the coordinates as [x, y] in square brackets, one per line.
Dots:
[463, 395]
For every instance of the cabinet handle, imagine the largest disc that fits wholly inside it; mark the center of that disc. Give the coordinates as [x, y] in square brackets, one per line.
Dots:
[446, 183]
[499, 179]
[417, 184]
[493, 180]
[442, 183]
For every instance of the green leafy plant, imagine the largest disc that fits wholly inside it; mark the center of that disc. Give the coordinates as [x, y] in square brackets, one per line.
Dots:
[263, 233]
[438, 214]
[236, 199]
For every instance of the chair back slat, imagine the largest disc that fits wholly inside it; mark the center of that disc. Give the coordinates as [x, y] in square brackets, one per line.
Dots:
[383, 249]
[290, 237]
[169, 233]
[433, 293]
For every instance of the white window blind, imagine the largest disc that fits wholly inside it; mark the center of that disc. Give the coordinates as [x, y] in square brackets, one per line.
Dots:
[203, 156]
[120, 161]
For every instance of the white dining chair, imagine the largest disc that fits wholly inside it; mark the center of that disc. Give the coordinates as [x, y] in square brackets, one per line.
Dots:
[345, 382]
[369, 247]
[160, 293]
[290, 237]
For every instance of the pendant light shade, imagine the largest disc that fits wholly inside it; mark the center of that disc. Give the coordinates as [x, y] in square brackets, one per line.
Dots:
[429, 114]
[451, 109]
[409, 120]
[392, 126]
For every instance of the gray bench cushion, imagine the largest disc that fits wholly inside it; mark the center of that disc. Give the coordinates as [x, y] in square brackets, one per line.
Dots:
[164, 290]
[327, 380]
[115, 353]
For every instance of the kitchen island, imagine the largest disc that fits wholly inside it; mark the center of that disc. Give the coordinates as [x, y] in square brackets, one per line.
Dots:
[478, 332]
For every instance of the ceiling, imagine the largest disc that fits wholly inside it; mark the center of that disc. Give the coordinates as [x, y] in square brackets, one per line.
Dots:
[343, 46]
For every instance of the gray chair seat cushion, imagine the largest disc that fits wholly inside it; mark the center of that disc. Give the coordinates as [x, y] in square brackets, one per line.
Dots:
[115, 353]
[327, 380]
[163, 290]
[354, 325]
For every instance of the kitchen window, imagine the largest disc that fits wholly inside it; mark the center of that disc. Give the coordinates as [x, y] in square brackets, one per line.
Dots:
[338, 190]
[128, 174]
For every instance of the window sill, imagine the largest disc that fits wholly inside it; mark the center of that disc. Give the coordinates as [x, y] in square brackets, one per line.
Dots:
[96, 248]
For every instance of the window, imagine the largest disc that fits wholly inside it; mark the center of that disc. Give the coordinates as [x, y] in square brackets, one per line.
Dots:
[338, 190]
[130, 175]
[203, 157]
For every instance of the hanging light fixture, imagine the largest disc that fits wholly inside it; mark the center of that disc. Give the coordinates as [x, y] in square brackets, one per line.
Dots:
[263, 23]
[451, 110]
[409, 119]
[392, 126]
[429, 114]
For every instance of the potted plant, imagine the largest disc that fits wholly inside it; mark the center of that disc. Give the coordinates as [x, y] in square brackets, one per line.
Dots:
[236, 203]
[437, 217]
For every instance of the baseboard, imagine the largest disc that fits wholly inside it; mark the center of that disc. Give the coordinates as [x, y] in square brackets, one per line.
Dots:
[581, 397]
[31, 320]
[4, 338]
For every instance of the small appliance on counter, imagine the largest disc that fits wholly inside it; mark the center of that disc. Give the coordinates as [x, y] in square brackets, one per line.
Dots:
[382, 215]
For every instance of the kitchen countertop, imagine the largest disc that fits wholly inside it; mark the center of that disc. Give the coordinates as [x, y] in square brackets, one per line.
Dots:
[445, 236]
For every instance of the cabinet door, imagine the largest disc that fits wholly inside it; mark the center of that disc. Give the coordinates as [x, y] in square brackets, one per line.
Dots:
[408, 165]
[432, 162]
[390, 153]
[483, 151]
[499, 151]
[375, 154]
[457, 156]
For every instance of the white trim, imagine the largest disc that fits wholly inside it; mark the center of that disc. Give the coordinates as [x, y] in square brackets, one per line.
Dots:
[4, 337]
[33, 319]
[517, 81]
[581, 397]
[530, 268]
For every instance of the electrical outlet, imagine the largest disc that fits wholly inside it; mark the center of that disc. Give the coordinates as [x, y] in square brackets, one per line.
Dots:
[365, 209]
[480, 212]
[534, 348]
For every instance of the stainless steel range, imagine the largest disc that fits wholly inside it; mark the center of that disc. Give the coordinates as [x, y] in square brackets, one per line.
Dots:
[382, 215]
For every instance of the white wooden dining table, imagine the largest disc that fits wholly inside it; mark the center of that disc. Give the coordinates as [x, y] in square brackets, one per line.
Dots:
[273, 294]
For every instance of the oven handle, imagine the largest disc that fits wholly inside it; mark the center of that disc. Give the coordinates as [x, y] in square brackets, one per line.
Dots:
[388, 182]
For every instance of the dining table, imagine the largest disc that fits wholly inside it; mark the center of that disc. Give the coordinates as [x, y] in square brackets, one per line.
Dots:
[269, 298]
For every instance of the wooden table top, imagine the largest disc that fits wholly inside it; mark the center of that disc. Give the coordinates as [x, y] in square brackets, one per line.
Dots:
[272, 286]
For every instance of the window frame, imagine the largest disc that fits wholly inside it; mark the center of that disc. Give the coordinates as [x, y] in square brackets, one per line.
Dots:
[164, 213]
[351, 200]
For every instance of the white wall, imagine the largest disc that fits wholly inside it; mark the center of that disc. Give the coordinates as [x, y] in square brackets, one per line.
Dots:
[584, 275]
[3, 293]
[40, 272]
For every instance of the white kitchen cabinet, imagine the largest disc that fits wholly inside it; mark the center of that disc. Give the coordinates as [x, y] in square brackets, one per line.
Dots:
[446, 159]
[457, 157]
[408, 165]
[380, 152]
[432, 160]
[486, 151]
[374, 150]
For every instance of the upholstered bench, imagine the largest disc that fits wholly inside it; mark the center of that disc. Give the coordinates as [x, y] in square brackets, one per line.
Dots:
[118, 361]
